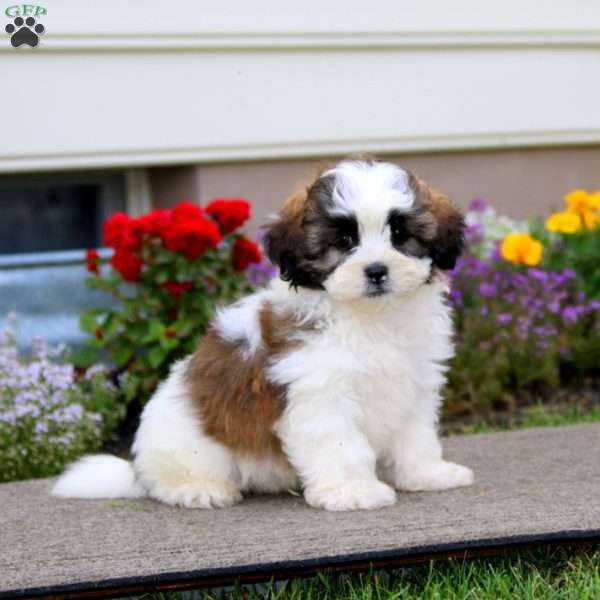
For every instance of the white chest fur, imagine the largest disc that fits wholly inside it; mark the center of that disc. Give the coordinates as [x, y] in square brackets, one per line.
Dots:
[382, 361]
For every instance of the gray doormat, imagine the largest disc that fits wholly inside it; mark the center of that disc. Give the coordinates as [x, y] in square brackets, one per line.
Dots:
[531, 486]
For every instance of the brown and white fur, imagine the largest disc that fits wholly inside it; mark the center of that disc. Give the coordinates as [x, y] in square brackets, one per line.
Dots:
[327, 381]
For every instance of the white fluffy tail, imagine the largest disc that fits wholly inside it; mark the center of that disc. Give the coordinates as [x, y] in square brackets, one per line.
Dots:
[99, 476]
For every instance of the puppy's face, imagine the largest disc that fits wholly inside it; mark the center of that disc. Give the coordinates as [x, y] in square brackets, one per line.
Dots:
[364, 229]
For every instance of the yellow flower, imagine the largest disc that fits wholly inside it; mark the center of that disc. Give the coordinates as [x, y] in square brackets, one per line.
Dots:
[586, 206]
[563, 222]
[595, 200]
[521, 249]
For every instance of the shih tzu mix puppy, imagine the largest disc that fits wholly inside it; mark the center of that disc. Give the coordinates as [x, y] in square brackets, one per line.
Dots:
[328, 380]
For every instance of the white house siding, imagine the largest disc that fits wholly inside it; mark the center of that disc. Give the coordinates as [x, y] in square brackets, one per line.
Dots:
[155, 83]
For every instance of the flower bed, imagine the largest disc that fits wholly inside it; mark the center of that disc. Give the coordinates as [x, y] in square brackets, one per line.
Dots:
[50, 415]
[526, 305]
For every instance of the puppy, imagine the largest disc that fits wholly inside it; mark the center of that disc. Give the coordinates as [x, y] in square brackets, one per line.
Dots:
[327, 381]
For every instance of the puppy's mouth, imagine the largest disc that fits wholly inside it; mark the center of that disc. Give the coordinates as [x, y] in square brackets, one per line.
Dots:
[374, 291]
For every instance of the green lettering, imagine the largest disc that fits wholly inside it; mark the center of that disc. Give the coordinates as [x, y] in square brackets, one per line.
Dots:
[40, 10]
[12, 11]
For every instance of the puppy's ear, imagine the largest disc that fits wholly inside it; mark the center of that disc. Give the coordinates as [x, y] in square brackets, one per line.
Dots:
[445, 238]
[284, 238]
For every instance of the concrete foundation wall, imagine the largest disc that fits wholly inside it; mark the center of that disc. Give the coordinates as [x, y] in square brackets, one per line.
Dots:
[520, 183]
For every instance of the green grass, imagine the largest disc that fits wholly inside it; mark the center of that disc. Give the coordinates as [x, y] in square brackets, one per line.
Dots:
[542, 416]
[552, 573]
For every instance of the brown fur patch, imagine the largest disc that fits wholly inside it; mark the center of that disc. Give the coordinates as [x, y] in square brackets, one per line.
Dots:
[237, 405]
[442, 223]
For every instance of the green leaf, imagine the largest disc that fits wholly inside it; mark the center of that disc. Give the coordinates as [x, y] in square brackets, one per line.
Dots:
[156, 356]
[84, 357]
[169, 343]
[87, 321]
[122, 355]
[155, 331]
[156, 328]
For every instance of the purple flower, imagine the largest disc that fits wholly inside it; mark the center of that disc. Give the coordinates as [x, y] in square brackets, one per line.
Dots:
[455, 296]
[495, 253]
[487, 289]
[504, 319]
[553, 306]
[571, 314]
[539, 275]
[474, 234]
[259, 274]
[545, 331]
[478, 205]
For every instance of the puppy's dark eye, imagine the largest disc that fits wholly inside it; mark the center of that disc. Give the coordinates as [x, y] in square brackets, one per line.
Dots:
[344, 233]
[344, 242]
[399, 231]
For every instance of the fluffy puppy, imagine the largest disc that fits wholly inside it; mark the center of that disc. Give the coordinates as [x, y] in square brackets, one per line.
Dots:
[328, 380]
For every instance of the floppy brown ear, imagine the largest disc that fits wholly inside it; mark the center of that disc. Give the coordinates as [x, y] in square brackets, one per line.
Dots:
[284, 238]
[446, 240]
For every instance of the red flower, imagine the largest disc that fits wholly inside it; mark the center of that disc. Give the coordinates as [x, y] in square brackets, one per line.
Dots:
[186, 211]
[128, 265]
[175, 288]
[115, 229]
[92, 261]
[122, 232]
[169, 333]
[191, 237]
[156, 222]
[245, 252]
[229, 214]
[99, 333]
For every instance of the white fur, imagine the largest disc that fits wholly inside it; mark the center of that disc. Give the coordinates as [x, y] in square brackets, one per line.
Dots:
[367, 189]
[363, 389]
[99, 476]
[239, 323]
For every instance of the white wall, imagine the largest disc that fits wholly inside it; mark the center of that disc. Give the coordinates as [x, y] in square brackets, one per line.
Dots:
[146, 82]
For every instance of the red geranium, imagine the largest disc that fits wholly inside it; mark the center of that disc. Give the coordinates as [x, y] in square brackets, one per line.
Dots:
[192, 237]
[92, 261]
[245, 252]
[186, 211]
[115, 229]
[122, 232]
[175, 288]
[128, 265]
[229, 213]
[156, 222]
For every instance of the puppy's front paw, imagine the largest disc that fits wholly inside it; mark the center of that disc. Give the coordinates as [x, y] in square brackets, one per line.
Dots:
[352, 495]
[434, 476]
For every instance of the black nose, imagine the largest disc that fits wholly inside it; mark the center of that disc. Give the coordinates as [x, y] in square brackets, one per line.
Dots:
[376, 273]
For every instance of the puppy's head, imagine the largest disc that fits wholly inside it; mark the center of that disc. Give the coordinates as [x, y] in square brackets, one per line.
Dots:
[364, 229]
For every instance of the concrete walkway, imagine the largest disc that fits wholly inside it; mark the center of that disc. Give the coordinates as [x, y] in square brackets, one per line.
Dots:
[534, 485]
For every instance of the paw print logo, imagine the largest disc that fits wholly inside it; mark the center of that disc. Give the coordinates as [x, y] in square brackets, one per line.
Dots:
[24, 32]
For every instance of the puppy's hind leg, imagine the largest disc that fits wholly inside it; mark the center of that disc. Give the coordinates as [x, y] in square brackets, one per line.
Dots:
[176, 462]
